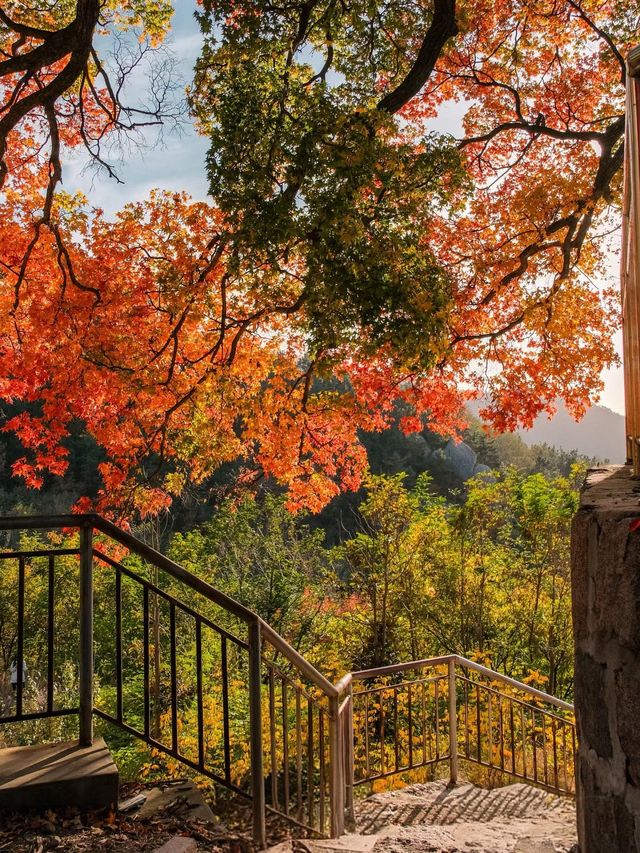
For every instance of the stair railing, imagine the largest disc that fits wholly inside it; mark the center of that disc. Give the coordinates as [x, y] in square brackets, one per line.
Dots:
[249, 712]
[419, 714]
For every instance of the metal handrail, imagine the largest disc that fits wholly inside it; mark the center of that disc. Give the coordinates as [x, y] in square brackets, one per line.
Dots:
[330, 735]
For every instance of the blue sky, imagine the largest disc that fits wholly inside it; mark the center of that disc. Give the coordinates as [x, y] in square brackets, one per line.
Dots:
[178, 163]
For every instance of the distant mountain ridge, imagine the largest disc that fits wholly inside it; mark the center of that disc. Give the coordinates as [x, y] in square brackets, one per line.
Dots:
[600, 434]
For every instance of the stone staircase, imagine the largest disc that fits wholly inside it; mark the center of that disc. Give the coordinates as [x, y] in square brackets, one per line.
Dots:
[438, 818]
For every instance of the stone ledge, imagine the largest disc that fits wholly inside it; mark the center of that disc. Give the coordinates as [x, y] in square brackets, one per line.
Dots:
[54, 776]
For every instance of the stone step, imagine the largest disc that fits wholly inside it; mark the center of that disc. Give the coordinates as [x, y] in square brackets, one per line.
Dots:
[54, 776]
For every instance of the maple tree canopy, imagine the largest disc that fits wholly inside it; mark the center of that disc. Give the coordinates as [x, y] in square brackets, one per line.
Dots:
[349, 256]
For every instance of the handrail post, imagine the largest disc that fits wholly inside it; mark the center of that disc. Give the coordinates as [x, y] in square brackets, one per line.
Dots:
[86, 636]
[349, 761]
[337, 777]
[453, 724]
[255, 724]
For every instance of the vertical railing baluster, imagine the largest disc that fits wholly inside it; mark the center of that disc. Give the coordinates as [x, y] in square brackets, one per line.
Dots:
[145, 662]
[311, 767]
[272, 739]
[513, 739]
[424, 723]
[255, 723]
[224, 663]
[118, 594]
[501, 729]
[50, 632]
[564, 756]
[367, 760]
[534, 745]
[490, 728]
[300, 799]
[382, 745]
[199, 696]
[321, 780]
[437, 715]
[555, 751]
[467, 747]
[174, 675]
[410, 723]
[396, 744]
[545, 760]
[285, 744]
[86, 636]
[20, 644]
[523, 738]
[478, 723]
[453, 723]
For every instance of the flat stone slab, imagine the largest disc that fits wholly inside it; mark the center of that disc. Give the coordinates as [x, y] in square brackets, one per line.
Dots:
[178, 844]
[55, 776]
[180, 798]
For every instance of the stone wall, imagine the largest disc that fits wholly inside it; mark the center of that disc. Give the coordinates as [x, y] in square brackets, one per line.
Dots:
[606, 616]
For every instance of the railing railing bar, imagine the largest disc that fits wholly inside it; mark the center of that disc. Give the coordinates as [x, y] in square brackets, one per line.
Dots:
[316, 833]
[382, 737]
[285, 744]
[423, 709]
[367, 757]
[564, 753]
[410, 721]
[465, 687]
[296, 658]
[174, 677]
[494, 691]
[156, 590]
[224, 663]
[437, 707]
[523, 735]
[145, 662]
[545, 759]
[118, 597]
[47, 552]
[39, 715]
[272, 739]
[389, 687]
[380, 672]
[387, 774]
[478, 726]
[396, 744]
[279, 673]
[513, 739]
[50, 630]
[199, 693]
[534, 744]
[501, 731]
[555, 753]
[321, 776]
[490, 730]
[20, 638]
[299, 797]
[161, 747]
[311, 770]
[465, 664]
[560, 789]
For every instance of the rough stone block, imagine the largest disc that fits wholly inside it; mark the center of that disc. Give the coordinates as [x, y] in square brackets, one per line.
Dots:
[178, 844]
[606, 616]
